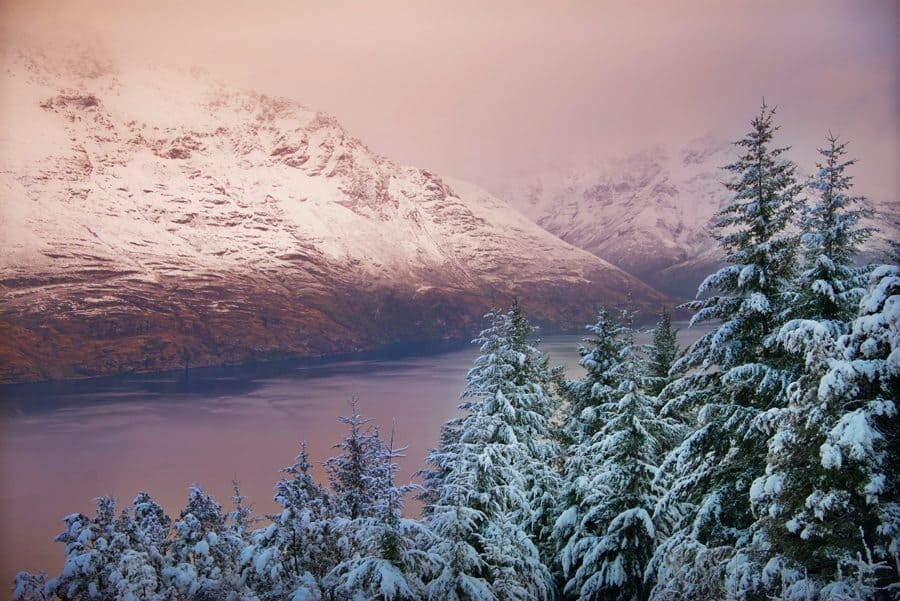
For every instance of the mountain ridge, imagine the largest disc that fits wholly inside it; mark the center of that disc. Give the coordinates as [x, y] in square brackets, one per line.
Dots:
[153, 219]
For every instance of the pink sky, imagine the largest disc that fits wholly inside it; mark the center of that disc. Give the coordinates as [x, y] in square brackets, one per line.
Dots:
[485, 92]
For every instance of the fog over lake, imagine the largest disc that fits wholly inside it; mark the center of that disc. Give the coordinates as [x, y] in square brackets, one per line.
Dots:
[63, 444]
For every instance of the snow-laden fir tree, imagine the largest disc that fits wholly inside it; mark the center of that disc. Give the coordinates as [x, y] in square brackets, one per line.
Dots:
[533, 366]
[114, 557]
[356, 476]
[30, 587]
[662, 353]
[462, 574]
[535, 382]
[241, 516]
[600, 354]
[143, 560]
[484, 552]
[390, 561]
[601, 357]
[286, 559]
[87, 553]
[864, 443]
[830, 284]
[730, 375]
[134, 578]
[796, 487]
[609, 537]
[511, 378]
[433, 477]
[533, 363]
[496, 467]
[829, 516]
[205, 552]
[148, 527]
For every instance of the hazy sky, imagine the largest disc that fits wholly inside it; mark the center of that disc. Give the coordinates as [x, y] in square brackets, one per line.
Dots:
[483, 90]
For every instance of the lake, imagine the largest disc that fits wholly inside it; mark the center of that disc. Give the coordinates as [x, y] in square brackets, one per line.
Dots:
[63, 444]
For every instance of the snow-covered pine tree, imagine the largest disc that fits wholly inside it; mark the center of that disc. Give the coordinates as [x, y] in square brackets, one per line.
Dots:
[730, 375]
[356, 476]
[864, 443]
[528, 364]
[92, 546]
[513, 379]
[517, 571]
[289, 556]
[433, 476]
[114, 557]
[30, 587]
[601, 356]
[830, 284]
[77, 577]
[135, 579]
[142, 532]
[205, 552]
[495, 468]
[610, 536]
[829, 503]
[662, 354]
[824, 299]
[454, 515]
[463, 574]
[389, 562]
[241, 517]
[482, 547]
[147, 527]
[510, 377]
[534, 365]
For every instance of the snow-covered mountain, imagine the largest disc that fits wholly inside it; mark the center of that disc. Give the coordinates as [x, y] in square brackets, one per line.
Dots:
[648, 213]
[152, 219]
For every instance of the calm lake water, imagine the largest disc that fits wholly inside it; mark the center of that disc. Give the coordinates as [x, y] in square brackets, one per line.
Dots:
[63, 444]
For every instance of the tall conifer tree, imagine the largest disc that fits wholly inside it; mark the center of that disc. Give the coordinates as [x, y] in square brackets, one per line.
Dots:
[494, 473]
[662, 353]
[798, 501]
[609, 535]
[730, 375]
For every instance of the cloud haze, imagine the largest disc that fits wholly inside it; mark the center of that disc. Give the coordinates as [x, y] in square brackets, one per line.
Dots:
[485, 92]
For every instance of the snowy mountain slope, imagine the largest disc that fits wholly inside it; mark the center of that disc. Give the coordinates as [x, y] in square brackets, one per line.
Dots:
[152, 219]
[648, 213]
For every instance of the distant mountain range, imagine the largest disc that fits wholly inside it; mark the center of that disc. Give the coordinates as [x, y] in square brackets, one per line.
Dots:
[650, 212]
[151, 220]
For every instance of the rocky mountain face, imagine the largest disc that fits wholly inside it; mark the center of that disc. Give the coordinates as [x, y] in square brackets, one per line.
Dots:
[650, 212]
[152, 220]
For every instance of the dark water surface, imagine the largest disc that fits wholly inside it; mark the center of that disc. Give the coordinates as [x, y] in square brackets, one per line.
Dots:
[63, 444]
